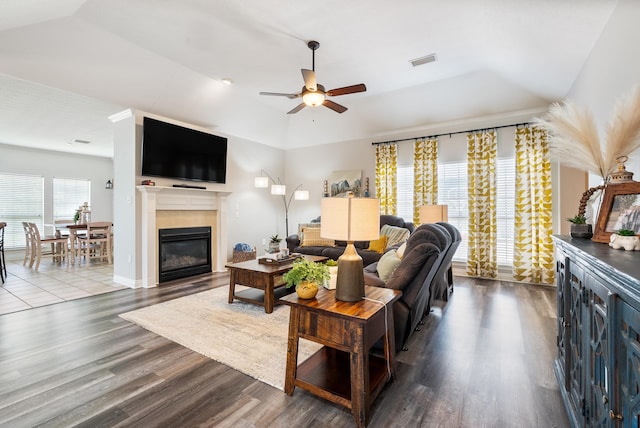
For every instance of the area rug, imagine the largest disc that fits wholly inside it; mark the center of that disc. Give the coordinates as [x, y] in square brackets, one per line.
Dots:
[239, 335]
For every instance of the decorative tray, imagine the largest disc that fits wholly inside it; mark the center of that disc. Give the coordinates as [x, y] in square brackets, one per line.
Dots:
[272, 261]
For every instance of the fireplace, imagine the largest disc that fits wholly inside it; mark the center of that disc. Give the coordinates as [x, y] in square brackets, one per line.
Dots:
[184, 252]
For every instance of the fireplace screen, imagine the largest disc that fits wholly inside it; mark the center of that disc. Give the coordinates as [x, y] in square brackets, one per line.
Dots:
[184, 252]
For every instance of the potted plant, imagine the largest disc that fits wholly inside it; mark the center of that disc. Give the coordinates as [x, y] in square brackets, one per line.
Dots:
[306, 276]
[624, 238]
[333, 274]
[579, 227]
[274, 243]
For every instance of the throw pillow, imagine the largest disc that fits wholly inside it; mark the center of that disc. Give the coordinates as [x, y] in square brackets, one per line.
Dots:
[378, 245]
[395, 235]
[401, 249]
[387, 265]
[311, 238]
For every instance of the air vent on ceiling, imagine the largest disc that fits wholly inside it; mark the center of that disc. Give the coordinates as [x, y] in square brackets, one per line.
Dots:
[423, 60]
[81, 141]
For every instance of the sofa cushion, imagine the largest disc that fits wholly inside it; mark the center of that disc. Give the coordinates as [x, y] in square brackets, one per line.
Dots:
[394, 234]
[378, 245]
[402, 249]
[311, 238]
[411, 264]
[373, 280]
[387, 264]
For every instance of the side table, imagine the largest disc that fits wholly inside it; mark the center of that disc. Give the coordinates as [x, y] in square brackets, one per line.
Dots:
[348, 330]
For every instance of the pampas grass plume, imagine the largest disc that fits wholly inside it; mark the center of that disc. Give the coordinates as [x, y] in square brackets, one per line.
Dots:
[623, 130]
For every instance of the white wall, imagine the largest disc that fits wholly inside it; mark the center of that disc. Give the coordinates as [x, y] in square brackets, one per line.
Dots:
[49, 164]
[612, 69]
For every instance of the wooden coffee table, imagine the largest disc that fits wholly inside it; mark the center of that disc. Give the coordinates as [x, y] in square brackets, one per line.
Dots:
[264, 281]
[342, 371]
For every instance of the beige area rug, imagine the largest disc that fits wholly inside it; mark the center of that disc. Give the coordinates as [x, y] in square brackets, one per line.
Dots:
[239, 335]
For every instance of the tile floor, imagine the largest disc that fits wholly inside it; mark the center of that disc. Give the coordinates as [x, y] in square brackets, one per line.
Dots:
[52, 283]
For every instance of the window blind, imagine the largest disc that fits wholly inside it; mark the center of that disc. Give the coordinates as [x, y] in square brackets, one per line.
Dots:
[68, 195]
[21, 199]
[404, 183]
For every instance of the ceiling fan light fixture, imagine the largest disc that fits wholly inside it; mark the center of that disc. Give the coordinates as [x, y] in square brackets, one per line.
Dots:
[313, 99]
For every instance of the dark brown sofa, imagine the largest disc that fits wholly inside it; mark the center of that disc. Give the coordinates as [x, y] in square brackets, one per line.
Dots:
[368, 256]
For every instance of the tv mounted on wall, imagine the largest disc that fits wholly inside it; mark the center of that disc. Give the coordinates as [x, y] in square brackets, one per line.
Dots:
[173, 151]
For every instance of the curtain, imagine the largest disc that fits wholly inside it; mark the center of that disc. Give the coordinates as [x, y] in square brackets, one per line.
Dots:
[386, 172]
[533, 259]
[425, 173]
[481, 170]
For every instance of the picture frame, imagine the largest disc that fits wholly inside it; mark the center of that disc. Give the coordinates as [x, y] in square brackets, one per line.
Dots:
[620, 209]
[344, 183]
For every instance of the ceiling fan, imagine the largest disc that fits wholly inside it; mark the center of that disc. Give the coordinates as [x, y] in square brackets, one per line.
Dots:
[313, 94]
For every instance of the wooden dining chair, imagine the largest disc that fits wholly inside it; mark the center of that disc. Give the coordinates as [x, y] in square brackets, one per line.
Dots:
[96, 243]
[58, 246]
[28, 249]
[3, 262]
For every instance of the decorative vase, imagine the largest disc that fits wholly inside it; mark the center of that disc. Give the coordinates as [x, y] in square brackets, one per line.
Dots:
[581, 231]
[629, 243]
[307, 289]
[274, 247]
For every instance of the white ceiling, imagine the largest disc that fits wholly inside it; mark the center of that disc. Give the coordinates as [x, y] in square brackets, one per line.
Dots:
[66, 65]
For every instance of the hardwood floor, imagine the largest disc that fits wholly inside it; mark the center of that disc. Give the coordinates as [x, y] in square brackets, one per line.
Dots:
[484, 360]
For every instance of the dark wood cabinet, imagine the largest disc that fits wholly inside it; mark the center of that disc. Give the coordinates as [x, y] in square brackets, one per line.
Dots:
[598, 332]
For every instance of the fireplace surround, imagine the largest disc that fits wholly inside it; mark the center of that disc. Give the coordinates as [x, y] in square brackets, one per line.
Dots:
[170, 207]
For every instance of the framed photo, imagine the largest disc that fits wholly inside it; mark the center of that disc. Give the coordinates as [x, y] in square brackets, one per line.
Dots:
[345, 182]
[620, 209]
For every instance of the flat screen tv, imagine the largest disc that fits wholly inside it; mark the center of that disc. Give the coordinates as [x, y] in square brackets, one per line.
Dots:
[174, 151]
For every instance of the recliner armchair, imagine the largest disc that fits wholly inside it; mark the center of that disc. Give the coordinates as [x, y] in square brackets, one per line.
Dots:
[425, 250]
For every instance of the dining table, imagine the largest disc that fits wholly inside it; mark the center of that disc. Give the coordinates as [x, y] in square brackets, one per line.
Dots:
[74, 229]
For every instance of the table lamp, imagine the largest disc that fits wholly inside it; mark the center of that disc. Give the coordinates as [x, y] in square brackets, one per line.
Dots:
[434, 213]
[350, 219]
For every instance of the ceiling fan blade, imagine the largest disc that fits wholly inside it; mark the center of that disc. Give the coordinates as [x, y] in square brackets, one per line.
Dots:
[334, 106]
[297, 108]
[347, 90]
[279, 94]
[309, 77]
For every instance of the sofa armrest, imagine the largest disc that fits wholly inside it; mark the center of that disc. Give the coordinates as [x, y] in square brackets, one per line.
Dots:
[293, 241]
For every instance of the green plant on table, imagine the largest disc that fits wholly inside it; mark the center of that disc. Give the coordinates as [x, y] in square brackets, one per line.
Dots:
[305, 270]
[331, 262]
[578, 219]
[275, 239]
[625, 232]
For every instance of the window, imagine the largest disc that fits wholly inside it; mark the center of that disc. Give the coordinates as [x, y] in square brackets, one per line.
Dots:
[21, 199]
[404, 182]
[68, 195]
[452, 191]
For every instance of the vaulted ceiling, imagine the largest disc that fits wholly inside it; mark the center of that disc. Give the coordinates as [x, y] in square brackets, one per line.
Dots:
[66, 65]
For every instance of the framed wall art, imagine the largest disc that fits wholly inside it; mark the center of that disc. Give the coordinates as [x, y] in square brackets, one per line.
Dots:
[344, 182]
[620, 209]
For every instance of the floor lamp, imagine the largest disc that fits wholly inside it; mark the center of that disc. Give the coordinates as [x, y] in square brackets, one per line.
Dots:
[350, 219]
[277, 188]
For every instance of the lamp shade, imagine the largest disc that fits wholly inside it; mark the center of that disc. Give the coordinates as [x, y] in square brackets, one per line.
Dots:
[350, 219]
[261, 181]
[434, 213]
[278, 189]
[301, 195]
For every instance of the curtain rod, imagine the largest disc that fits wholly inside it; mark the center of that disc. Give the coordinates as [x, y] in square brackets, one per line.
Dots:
[450, 133]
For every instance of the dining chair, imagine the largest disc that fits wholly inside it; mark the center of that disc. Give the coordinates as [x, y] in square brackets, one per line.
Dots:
[3, 262]
[96, 243]
[28, 248]
[59, 246]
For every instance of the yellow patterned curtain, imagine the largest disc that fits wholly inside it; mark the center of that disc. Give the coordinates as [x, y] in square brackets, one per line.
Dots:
[386, 176]
[533, 248]
[481, 169]
[425, 173]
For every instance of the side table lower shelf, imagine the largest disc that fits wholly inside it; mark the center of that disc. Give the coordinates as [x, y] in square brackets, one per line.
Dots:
[325, 372]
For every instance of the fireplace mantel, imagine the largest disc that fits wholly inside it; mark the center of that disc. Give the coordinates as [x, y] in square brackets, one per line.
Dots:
[159, 198]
